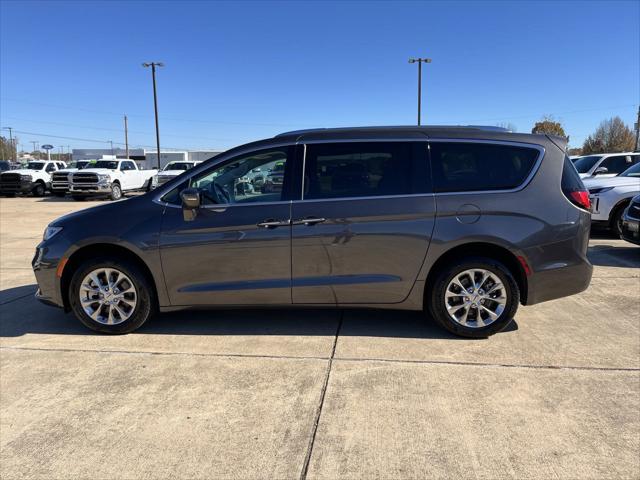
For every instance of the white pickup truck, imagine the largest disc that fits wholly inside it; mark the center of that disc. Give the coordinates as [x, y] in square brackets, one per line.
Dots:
[34, 177]
[109, 178]
[171, 171]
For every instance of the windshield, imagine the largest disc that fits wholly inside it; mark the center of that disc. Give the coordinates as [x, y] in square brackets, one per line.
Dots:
[584, 164]
[632, 171]
[178, 166]
[35, 165]
[109, 164]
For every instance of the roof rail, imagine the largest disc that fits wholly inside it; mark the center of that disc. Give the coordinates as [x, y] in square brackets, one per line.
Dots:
[488, 128]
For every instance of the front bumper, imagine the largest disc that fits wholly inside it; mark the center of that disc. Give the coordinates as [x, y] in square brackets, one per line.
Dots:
[630, 229]
[24, 186]
[90, 188]
[45, 264]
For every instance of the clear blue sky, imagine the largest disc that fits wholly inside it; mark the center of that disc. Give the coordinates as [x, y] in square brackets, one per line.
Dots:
[240, 71]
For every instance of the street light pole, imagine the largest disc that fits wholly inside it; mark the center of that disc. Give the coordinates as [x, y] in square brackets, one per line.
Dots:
[126, 137]
[419, 61]
[35, 142]
[153, 66]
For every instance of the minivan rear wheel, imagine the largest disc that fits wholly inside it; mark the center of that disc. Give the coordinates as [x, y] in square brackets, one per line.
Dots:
[111, 295]
[475, 297]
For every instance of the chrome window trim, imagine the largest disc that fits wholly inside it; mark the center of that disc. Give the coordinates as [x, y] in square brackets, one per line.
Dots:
[534, 170]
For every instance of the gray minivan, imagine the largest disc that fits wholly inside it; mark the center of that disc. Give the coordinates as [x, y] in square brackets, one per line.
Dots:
[465, 223]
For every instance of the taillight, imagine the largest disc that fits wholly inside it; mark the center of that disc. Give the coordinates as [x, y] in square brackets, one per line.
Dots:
[572, 186]
[580, 198]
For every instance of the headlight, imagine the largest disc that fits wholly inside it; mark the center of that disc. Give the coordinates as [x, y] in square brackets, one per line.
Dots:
[49, 232]
[25, 178]
[102, 177]
[600, 190]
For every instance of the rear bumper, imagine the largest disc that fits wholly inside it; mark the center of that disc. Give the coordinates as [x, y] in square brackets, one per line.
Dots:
[558, 281]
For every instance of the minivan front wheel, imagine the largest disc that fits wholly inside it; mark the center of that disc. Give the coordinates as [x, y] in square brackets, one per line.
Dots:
[111, 295]
[476, 297]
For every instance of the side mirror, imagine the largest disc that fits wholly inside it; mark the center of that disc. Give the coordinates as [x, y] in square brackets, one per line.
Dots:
[601, 170]
[190, 203]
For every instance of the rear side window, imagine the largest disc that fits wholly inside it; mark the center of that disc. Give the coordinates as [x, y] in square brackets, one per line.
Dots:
[460, 166]
[364, 169]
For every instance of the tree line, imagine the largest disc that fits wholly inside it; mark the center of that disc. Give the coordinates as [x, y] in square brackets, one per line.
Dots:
[612, 135]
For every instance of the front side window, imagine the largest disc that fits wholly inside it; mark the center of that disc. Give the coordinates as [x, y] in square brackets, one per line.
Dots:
[255, 177]
[460, 166]
[35, 165]
[361, 169]
[51, 167]
[632, 171]
[617, 164]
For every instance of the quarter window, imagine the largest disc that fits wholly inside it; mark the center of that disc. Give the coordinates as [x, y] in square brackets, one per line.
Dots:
[362, 169]
[460, 166]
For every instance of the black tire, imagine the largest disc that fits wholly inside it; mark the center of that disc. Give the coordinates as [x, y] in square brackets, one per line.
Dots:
[78, 198]
[436, 297]
[615, 219]
[146, 305]
[38, 189]
[116, 191]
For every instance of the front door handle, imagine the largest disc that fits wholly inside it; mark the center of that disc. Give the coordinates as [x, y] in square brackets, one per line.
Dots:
[272, 223]
[309, 221]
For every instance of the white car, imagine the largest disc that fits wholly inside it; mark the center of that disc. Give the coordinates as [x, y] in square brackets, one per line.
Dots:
[109, 178]
[605, 164]
[610, 196]
[170, 171]
[34, 178]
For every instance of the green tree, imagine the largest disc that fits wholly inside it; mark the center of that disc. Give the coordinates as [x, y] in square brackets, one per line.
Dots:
[549, 126]
[611, 136]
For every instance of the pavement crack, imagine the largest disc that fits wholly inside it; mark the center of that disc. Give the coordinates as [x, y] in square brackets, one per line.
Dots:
[307, 458]
[488, 364]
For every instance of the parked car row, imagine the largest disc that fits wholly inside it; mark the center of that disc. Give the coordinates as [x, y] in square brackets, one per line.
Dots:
[81, 179]
[605, 164]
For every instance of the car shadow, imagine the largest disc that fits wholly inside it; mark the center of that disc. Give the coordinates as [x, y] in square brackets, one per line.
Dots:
[25, 315]
[607, 255]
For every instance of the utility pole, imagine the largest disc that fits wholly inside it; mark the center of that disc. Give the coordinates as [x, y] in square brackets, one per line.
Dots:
[126, 137]
[419, 61]
[111, 142]
[35, 143]
[12, 146]
[153, 66]
[637, 149]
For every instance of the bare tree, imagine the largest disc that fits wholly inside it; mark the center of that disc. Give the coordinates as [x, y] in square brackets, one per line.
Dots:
[507, 125]
[611, 136]
[549, 126]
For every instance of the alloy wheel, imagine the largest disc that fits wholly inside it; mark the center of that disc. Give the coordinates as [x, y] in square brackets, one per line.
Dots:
[108, 296]
[475, 298]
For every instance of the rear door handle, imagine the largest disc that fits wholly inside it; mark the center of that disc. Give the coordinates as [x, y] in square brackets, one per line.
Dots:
[272, 223]
[309, 221]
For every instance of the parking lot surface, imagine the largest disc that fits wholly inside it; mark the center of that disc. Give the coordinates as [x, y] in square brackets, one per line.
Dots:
[318, 393]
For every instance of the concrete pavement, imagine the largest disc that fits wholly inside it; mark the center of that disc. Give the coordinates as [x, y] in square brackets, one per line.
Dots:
[318, 393]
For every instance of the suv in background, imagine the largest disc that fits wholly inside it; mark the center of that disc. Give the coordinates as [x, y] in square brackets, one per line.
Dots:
[443, 219]
[605, 164]
[610, 196]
